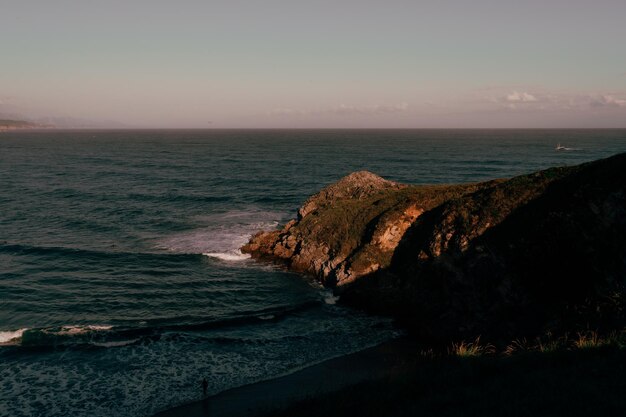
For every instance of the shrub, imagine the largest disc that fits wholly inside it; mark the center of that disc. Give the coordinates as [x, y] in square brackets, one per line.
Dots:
[467, 349]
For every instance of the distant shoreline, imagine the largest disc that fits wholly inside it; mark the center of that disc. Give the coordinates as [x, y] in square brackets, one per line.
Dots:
[15, 125]
[307, 129]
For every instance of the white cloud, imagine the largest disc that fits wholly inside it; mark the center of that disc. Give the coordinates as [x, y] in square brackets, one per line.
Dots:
[285, 112]
[543, 100]
[516, 97]
[370, 109]
[344, 110]
[606, 101]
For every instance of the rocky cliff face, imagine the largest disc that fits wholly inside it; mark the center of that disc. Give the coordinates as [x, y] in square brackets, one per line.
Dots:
[350, 228]
[505, 257]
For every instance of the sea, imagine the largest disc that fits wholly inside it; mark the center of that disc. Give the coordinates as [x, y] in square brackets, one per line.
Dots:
[121, 281]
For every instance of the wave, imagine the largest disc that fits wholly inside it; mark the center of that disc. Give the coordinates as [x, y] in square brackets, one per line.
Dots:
[109, 336]
[330, 298]
[76, 330]
[222, 240]
[223, 234]
[52, 335]
[233, 256]
[9, 337]
[566, 148]
[118, 343]
[20, 249]
[172, 197]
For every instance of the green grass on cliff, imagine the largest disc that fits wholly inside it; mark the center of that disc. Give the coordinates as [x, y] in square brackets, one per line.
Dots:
[347, 224]
[586, 381]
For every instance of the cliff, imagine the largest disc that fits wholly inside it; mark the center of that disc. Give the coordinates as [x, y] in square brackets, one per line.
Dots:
[350, 228]
[17, 124]
[535, 253]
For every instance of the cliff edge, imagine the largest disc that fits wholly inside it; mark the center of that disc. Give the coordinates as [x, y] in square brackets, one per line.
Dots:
[538, 252]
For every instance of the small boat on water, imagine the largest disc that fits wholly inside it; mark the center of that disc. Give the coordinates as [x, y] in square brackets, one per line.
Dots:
[559, 147]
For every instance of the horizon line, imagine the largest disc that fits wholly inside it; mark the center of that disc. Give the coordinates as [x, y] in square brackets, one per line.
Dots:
[41, 129]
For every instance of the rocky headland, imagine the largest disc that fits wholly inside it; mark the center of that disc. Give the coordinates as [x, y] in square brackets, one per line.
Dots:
[537, 253]
[6, 125]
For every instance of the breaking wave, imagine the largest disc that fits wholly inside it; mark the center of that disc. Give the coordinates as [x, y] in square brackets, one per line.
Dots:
[115, 336]
[9, 337]
[232, 256]
[223, 235]
[68, 252]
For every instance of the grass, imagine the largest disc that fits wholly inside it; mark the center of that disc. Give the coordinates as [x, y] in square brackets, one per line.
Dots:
[574, 376]
[465, 349]
[548, 344]
[588, 340]
[582, 340]
[345, 225]
[577, 374]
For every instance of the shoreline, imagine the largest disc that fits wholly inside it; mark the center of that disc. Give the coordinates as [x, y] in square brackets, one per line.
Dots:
[258, 398]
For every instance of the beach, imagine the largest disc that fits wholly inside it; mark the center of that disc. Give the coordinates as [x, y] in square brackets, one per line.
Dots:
[386, 360]
[403, 378]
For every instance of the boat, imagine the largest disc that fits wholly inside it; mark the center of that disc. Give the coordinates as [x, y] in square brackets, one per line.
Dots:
[560, 148]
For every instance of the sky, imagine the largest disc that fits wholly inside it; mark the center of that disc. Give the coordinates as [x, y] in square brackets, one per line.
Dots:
[315, 63]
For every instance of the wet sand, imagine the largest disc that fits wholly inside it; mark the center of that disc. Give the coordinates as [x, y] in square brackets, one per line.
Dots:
[385, 360]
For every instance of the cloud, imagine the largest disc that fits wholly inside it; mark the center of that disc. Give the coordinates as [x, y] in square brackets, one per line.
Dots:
[344, 110]
[538, 99]
[523, 97]
[606, 101]
[286, 112]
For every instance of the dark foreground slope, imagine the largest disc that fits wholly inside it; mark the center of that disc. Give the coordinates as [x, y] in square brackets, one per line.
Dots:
[545, 251]
[567, 383]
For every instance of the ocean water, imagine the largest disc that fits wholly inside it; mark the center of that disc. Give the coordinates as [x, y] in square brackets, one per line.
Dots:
[121, 283]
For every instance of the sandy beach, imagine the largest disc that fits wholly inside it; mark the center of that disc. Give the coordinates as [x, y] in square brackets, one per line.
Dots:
[394, 379]
[385, 360]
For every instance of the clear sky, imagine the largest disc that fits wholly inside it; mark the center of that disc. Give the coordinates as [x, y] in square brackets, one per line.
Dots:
[316, 63]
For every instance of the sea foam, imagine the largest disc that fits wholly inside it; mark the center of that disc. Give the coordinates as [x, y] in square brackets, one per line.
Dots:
[223, 234]
[76, 330]
[233, 256]
[16, 337]
[11, 337]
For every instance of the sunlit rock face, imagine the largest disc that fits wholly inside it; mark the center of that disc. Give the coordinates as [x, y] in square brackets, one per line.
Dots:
[350, 228]
[504, 257]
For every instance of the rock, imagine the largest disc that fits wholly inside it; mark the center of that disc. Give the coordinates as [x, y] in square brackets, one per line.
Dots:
[358, 185]
[349, 228]
[503, 258]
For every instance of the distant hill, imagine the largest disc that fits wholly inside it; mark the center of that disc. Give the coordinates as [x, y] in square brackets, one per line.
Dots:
[17, 124]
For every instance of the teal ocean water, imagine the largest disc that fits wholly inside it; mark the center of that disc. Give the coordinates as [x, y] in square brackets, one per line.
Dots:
[121, 283]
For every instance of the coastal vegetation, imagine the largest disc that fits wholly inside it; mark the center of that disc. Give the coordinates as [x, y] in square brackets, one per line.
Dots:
[16, 124]
[498, 282]
[506, 259]
[580, 376]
